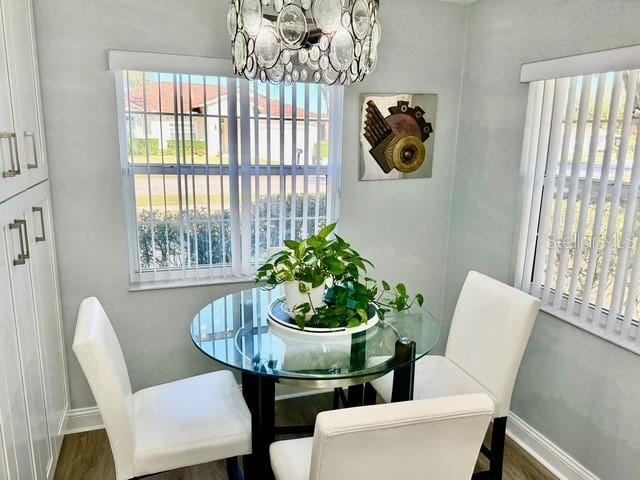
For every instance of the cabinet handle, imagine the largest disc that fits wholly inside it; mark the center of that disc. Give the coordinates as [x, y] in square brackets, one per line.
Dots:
[35, 149]
[14, 158]
[21, 226]
[41, 212]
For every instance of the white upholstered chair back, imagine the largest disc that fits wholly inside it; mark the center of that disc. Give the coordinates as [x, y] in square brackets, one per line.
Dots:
[98, 351]
[435, 438]
[489, 333]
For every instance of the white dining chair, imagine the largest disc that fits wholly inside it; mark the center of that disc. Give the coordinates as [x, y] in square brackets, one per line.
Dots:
[423, 439]
[187, 422]
[489, 332]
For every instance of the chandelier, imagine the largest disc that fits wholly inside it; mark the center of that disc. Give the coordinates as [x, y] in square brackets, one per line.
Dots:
[321, 41]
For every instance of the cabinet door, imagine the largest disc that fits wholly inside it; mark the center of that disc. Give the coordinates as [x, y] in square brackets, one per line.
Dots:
[3, 466]
[19, 247]
[13, 410]
[49, 321]
[9, 161]
[25, 91]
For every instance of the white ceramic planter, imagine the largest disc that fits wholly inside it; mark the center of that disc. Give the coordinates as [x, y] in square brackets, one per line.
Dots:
[294, 297]
[283, 322]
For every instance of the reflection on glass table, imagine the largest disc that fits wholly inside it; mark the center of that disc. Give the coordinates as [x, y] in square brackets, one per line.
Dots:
[235, 330]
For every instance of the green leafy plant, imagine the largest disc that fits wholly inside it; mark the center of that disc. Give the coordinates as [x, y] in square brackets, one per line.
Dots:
[352, 296]
[304, 262]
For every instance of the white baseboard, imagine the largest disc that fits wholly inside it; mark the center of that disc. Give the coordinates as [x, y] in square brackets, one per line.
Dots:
[547, 453]
[301, 393]
[83, 420]
[543, 450]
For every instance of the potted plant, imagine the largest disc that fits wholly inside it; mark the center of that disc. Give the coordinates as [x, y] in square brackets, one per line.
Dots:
[352, 297]
[300, 268]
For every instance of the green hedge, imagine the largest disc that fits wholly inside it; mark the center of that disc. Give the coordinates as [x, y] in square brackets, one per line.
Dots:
[139, 146]
[199, 147]
[324, 149]
[161, 245]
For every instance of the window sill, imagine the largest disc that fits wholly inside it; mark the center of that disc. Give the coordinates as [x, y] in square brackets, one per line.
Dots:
[595, 330]
[148, 285]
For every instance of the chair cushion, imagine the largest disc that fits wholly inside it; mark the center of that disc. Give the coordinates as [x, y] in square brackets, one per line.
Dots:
[291, 459]
[437, 376]
[191, 421]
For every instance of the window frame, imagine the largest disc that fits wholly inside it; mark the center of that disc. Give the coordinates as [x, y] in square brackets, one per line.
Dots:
[538, 75]
[121, 61]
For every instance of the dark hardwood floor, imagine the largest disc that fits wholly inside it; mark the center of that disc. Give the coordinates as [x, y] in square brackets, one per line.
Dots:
[87, 456]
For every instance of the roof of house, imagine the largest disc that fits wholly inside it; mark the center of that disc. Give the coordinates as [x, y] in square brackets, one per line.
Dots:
[161, 98]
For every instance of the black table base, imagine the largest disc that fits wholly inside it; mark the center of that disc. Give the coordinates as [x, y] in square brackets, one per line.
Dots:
[259, 392]
[404, 374]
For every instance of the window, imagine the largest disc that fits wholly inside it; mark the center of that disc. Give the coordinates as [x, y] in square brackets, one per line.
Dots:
[582, 219]
[218, 170]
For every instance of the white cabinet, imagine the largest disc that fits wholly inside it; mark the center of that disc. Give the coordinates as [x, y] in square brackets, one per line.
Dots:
[19, 240]
[33, 381]
[33, 384]
[9, 169]
[43, 266]
[22, 157]
[3, 467]
[13, 410]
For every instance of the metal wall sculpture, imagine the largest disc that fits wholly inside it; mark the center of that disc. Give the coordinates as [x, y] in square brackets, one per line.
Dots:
[400, 144]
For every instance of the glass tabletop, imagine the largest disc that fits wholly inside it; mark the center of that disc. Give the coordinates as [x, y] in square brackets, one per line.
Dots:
[235, 330]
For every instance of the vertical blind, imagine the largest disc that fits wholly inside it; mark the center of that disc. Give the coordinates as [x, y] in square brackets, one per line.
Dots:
[581, 253]
[217, 170]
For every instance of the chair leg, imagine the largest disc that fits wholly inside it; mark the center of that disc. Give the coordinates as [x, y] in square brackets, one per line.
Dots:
[495, 454]
[370, 394]
[233, 469]
[336, 398]
[498, 437]
[355, 396]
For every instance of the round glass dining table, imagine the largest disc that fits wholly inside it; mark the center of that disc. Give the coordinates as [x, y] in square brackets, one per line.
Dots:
[235, 330]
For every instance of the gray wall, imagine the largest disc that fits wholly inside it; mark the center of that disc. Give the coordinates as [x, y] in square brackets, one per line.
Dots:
[576, 389]
[82, 142]
[403, 225]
